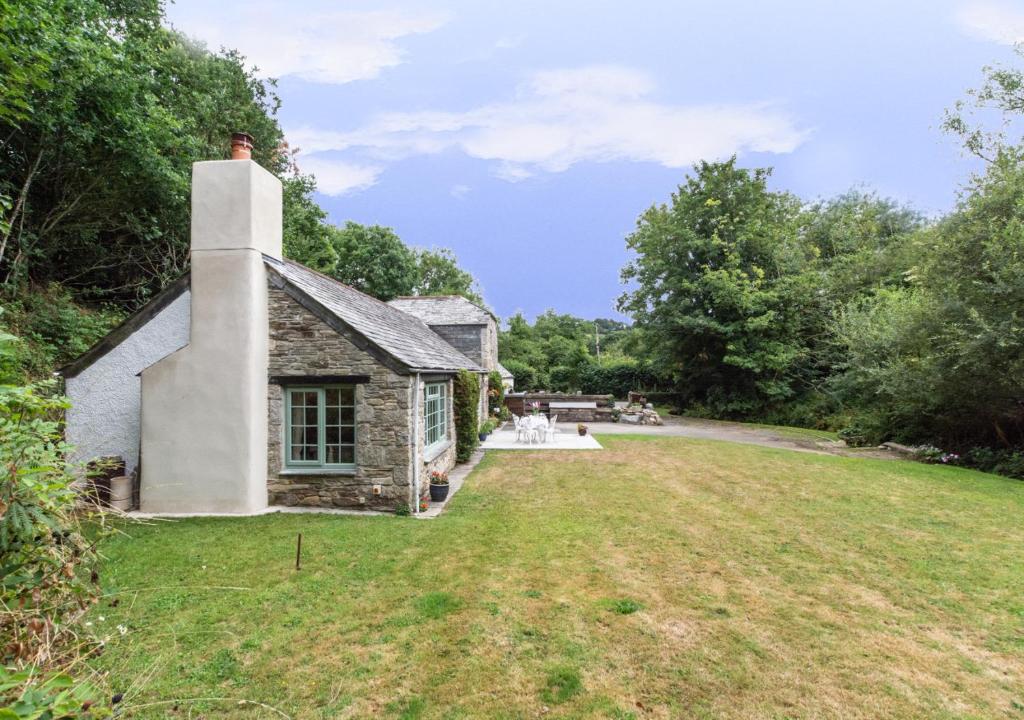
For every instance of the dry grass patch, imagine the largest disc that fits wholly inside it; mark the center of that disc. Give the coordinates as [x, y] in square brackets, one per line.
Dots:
[660, 578]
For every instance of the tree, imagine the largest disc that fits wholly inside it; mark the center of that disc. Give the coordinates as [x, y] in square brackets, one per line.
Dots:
[438, 273]
[306, 233]
[719, 297]
[373, 259]
[942, 360]
[96, 155]
[1001, 93]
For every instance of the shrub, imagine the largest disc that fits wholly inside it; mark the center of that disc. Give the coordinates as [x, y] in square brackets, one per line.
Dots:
[48, 573]
[52, 330]
[467, 424]
[670, 399]
[495, 392]
[563, 379]
[619, 378]
[1001, 462]
[526, 376]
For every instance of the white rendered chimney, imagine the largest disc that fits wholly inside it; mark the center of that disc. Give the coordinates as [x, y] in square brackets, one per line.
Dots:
[204, 408]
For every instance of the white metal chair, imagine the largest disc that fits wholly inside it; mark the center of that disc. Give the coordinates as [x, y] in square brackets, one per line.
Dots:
[550, 430]
[521, 427]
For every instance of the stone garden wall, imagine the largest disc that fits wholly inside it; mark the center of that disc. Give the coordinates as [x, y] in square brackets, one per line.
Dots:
[519, 404]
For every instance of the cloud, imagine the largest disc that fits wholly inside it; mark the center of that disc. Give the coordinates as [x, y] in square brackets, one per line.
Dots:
[993, 21]
[563, 117]
[459, 191]
[317, 43]
[338, 177]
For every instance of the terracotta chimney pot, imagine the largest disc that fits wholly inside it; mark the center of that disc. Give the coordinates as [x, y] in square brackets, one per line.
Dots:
[241, 146]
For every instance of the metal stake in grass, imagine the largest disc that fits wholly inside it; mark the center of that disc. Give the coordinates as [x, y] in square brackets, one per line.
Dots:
[298, 553]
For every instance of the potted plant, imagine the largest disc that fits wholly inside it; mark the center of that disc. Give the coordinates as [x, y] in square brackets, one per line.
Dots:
[581, 429]
[438, 486]
[486, 429]
[535, 407]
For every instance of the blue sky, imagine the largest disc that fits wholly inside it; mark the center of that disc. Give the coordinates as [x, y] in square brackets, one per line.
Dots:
[528, 136]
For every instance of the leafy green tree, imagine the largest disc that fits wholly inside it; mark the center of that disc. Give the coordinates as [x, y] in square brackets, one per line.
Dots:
[942, 360]
[1001, 93]
[306, 233]
[98, 167]
[719, 295]
[373, 259]
[438, 273]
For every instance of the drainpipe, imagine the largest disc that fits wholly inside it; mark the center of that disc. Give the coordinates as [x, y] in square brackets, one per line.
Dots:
[416, 444]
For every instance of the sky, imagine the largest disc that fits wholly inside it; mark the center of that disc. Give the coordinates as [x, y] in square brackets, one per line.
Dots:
[529, 136]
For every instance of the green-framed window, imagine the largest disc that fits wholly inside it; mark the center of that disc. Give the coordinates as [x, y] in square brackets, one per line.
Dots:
[320, 427]
[435, 411]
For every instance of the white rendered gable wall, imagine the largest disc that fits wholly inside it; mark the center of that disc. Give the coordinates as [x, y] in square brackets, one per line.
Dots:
[106, 396]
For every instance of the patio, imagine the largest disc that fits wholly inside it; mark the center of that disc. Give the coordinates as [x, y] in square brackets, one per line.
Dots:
[504, 438]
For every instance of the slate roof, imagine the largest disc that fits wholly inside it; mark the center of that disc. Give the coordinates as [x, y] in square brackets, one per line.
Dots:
[401, 335]
[443, 310]
[504, 371]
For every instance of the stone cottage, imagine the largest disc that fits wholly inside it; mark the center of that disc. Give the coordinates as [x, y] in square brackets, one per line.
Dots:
[464, 325]
[254, 381]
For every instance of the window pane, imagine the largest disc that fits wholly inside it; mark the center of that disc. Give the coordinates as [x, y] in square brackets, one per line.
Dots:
[321, 416]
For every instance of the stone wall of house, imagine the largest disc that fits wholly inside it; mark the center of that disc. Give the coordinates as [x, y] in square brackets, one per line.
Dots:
[302, 344]
[467, 339]
[489, 359]
[444, 461]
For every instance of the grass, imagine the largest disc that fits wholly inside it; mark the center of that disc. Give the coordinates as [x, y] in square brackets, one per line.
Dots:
[660, 578]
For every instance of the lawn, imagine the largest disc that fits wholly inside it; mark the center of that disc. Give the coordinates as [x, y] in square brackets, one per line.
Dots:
[659, 578]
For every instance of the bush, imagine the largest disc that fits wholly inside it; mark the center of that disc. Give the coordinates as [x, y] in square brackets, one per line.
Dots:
[526, 376]
[670, 399]
[53, 330]
[1001, 462]
[48, 573]
[495, 392]
[620, 377]
[467, 423]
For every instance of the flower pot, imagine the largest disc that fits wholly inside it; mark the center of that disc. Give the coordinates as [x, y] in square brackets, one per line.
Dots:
[438, 493]
[582, 431]
[482, 436]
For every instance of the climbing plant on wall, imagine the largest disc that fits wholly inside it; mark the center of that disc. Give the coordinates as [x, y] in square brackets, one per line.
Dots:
[466, 399]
